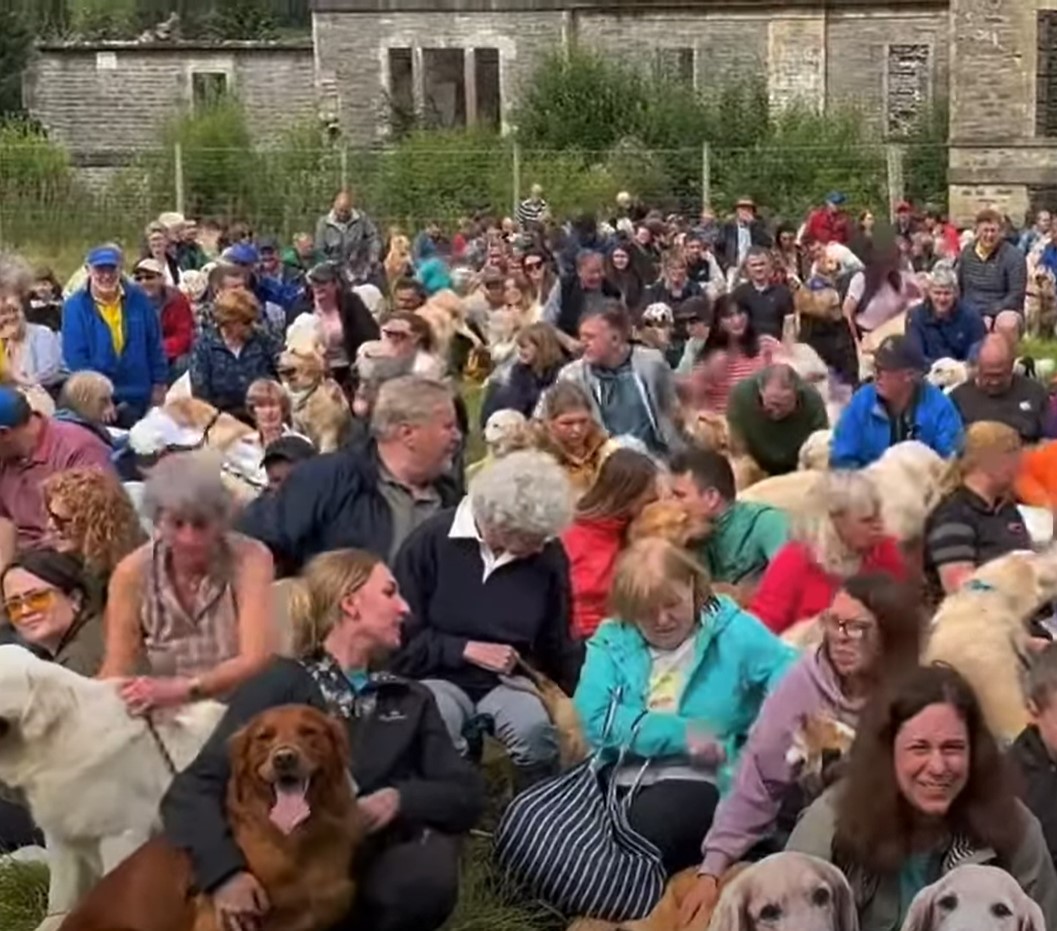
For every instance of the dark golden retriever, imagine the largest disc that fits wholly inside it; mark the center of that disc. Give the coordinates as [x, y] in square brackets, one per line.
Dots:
[292, 811]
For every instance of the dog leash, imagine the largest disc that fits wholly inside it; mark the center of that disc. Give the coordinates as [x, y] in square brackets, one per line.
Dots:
[160, 744]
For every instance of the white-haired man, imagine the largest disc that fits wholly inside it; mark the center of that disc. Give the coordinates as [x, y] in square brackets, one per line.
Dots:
[369, 496]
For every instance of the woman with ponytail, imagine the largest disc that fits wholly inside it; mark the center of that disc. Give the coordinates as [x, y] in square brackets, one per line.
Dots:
[978, 519]
[416, 794]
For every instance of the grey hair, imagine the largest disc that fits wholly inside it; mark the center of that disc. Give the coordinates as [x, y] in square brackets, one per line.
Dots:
[410, 400]
[188, 484]
[16, 275]
[834, 494]
[523, 492]
[943, 276]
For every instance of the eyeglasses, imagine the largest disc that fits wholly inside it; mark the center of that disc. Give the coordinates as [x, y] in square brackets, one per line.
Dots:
[852, 628]
[146, 276]
[396, 335]
[35, 602]
[531, 265]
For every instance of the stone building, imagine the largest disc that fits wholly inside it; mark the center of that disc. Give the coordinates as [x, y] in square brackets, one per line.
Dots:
[462, 62]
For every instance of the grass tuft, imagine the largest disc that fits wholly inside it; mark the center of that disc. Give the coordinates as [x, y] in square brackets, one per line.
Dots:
[23, 895]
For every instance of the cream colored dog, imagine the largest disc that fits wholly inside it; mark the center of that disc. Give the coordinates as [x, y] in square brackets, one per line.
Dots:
[948, 374]
[907, 477]
[814, 453]
[981, 630]
[319, 408]
[974, 898]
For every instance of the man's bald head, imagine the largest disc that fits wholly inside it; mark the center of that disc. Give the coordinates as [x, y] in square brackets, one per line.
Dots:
[994, 365]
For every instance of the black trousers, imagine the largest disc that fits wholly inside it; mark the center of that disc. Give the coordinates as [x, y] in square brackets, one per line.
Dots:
[410, 885]
[17, 828]
[675, 814]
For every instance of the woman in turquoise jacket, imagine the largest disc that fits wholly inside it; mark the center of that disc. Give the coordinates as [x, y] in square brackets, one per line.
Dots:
[676, 678]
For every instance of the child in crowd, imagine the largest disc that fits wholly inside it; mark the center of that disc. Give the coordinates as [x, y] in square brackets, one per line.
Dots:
[1034, 752]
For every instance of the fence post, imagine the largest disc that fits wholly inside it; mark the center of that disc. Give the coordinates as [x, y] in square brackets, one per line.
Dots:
[706, 176]
[178, 179]
[894, 159]
[343, 157]
[517, 178]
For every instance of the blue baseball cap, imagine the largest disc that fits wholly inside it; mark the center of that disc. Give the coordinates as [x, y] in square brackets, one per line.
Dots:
[14, 408]
[104, 255]
[242, 253]
[835, 197]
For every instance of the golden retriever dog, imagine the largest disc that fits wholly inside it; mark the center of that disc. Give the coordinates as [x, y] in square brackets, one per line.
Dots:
[974, 898]
[665, 915]
[948, 374]
[787, 892]
[818, 741]
[815, 450]
[1040, 302]
[981, 630]
[869, 343]
[572, 745]
[709, 430]
[292, 812]
[319, 408]
[667, 519]
[908, 478]
[64, 737]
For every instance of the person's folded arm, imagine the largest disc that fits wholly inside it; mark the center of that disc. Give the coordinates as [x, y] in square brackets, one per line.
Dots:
[194, 809]
[449, 793]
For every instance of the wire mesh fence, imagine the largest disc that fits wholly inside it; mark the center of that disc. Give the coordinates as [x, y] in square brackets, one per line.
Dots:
[50, 195]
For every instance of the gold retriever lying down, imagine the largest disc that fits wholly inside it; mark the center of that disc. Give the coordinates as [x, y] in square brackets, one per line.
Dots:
[292, 811]
[982, 631]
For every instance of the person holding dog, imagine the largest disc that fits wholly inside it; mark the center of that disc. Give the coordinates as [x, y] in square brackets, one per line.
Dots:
[871, 633]
[926, 790]
[416, 795]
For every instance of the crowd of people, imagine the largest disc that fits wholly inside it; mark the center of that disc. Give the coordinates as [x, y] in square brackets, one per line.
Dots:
[172, 518]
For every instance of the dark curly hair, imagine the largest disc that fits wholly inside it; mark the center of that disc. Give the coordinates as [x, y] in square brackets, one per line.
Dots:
[875, 822]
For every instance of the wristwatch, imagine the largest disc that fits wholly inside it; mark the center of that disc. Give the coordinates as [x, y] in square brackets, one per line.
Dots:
[194, 690]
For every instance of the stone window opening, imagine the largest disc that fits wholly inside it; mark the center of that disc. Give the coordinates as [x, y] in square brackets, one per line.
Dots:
[443, 88]
[208, 88]
[1046, 75]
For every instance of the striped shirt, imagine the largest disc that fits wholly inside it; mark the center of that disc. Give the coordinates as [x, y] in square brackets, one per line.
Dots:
[530, 211]
[717, 394]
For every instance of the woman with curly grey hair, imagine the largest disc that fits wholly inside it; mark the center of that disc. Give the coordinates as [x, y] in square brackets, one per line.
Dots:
[488, 585]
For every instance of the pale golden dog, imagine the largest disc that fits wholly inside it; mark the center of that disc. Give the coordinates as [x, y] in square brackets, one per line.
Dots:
[981, 630]
[710, 430]
[668, 520]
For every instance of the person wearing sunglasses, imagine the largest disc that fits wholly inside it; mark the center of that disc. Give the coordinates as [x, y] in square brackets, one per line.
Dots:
[174, 310]
[871, 634]
[193, 605]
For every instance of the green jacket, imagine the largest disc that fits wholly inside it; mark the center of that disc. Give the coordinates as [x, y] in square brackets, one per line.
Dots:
[774, 444]
[878, 897]
[743, 542]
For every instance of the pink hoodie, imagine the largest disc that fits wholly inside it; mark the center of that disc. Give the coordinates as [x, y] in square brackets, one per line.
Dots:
[747, 813]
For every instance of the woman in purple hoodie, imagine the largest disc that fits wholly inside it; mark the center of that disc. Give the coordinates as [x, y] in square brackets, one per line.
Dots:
[871, 631]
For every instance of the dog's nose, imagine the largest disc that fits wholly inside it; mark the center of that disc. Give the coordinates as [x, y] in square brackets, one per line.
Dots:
[285, 761]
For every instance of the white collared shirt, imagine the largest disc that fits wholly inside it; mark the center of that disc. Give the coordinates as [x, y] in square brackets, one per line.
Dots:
[464, 527]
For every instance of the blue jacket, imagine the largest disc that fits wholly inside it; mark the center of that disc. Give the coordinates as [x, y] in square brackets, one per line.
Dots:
[864, 431]
[737, 662]
[88, 345]
[950, 337]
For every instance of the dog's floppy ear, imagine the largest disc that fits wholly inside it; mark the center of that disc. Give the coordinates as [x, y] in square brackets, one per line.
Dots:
[243, 778]
[732, 910]
[845, 912]
[922, 913]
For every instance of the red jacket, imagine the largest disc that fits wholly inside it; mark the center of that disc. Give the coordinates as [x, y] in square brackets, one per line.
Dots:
[592, 547]
[795, 587]
[826, 226]
[177, 325]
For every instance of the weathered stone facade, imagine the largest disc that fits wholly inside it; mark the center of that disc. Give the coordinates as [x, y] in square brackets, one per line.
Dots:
[997, 156]
[996, 60]
[112, 96]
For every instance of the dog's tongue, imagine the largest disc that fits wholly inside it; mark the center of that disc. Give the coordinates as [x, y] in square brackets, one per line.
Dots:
[290, 808]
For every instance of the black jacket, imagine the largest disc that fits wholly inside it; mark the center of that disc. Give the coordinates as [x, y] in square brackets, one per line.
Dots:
[727, 247]
[329, 502]
[358, 325]
[1038, 788]
[574, 301]
[401, 743]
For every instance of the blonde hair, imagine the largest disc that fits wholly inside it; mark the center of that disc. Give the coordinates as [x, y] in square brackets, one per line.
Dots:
[87, 394]
[983, 439]
[236, 307]
[316, 595]
[834, 494]
[651, 575]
